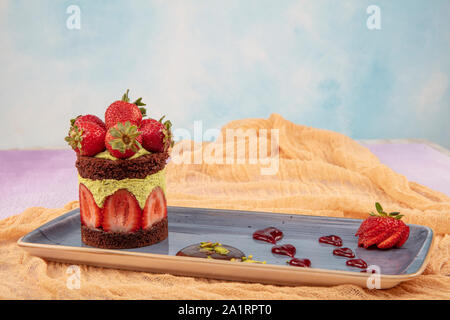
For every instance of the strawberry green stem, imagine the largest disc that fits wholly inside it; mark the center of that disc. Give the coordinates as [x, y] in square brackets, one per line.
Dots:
[381, 213]
[125, 136]
[75, 138]
[138, 103]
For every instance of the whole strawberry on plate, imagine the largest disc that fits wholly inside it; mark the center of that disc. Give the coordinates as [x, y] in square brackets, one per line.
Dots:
[156, 135]
[383, 230]
[87, 138]
[123, 110]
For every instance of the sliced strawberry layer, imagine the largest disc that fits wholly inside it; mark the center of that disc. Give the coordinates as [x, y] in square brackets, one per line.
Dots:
[379, 238]
[374, 233]
[90, 213]
[391, 240]
[385, 230]
[155, 208]
[403, 237]
[121, 212]
[367, 224]
[386, 234]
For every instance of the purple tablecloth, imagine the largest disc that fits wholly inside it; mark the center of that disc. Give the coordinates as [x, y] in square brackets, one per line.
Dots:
[48, 178]
[31, 178]
[420, 163]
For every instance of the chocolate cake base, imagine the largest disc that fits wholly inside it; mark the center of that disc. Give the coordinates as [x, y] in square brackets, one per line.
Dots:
[119, 240]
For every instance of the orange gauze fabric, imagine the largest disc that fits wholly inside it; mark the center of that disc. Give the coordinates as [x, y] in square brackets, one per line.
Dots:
[319, 173]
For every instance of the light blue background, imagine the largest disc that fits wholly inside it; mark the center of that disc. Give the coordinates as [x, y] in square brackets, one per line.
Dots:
[314, 62]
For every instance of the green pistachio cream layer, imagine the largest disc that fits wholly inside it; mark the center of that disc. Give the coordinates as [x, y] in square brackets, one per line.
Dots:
[106, 155]
[140, 188]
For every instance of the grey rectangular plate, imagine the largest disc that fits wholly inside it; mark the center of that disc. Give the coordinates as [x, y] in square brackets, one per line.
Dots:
[60, 240]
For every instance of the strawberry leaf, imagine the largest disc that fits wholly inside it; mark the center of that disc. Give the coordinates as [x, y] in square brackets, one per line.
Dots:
[121, 126]
[379, 208]
[74, 138]
[72, 121]
[115, 133]
[381, 213]
[117, 144]
[138, 144]
[139, 102]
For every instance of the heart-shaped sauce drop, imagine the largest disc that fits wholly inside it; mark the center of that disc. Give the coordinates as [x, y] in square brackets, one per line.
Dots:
[300, 262]
[358, 263]
[270, 234]
[344, 252]
[331, 239]
[285, 249]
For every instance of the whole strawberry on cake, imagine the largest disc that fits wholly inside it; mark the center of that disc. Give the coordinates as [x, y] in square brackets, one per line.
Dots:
[121, 169]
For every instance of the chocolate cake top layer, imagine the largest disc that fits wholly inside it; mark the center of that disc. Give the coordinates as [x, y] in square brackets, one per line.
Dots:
[99, 169]
[122, 240]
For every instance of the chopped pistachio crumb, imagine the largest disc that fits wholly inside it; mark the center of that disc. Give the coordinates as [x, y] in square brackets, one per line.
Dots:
[205, 244]
[216, 247]
[250, 259]
[221, 250]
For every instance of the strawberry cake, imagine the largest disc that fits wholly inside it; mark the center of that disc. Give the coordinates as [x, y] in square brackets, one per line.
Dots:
[121, 170]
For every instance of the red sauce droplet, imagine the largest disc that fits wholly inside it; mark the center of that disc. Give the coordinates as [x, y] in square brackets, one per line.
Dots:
[285, 249]
[358, 263]
[365, 271]
[300, 262]
[344, 252]
[270, 234]
[331, 239]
